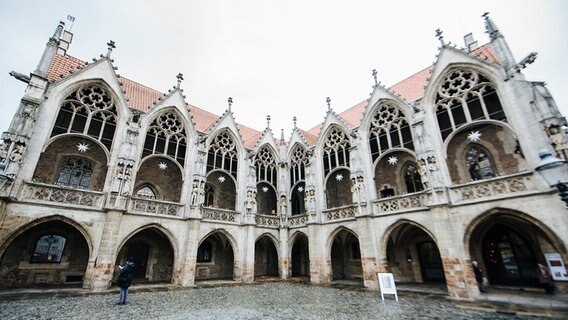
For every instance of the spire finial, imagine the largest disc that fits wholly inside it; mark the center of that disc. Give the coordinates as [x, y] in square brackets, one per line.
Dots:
[294, 119]
[179, 79]
[111, 45]
[440, 37]
[281, 135]
[328, 101]
[374, 73]
[58, 31]
[267, 121]
[230, 102]
[490, 26]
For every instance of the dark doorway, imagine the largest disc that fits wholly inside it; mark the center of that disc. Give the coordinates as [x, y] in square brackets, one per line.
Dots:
[300, 257]
[508, 257]
[346, 257]
[139, 252]
[430, 262]
[265, 258]
[215, 258]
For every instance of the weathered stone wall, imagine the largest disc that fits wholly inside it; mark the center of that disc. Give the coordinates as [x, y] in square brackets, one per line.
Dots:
[167, 183]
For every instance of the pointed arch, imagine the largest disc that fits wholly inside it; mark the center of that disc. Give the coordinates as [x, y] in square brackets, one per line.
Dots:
[223, 153]
[166, 134]
[388, 128]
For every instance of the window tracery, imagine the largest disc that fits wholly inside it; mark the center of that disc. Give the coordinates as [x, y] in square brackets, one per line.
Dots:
[75, 172]
[466, 96]
[166, 135]
[389, 129]
[298, 162]
[89, 110]
[223, 154]
[265, 166]
[335, 150]
[145, 192]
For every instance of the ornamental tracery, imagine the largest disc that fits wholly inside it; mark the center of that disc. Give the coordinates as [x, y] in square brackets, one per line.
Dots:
[463, 97]
[335, 150]
[89, 110]
[223, 154]
[298, 162]
[166, 135]
[265, 166]
[388, 129]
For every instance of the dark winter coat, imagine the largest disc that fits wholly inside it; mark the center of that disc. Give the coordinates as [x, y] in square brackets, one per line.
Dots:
[478, 274]
[125, 276]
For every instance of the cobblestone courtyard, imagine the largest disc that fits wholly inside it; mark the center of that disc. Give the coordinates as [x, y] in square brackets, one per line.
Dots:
[259, 301]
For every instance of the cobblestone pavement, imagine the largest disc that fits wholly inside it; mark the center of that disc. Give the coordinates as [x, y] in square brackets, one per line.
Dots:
[258, 301]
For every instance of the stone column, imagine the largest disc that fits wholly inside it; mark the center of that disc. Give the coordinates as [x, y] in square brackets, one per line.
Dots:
[369, 252]
[284, 254]
[248, 253]
[186, 273]
[99, 272]
[320, 270]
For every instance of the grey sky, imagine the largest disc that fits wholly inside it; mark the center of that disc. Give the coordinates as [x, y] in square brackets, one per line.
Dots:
[276, 57]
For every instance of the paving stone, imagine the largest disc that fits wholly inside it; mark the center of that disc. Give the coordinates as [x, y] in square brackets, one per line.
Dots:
[257, 301]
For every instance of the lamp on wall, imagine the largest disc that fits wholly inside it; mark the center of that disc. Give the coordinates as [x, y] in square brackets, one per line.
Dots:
[552, 170]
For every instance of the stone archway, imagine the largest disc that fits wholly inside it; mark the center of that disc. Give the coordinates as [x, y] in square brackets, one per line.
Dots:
[508, 247]
[265, 258]
[153, 256]
[413, 255]
[51, 253]
[300, 257]
[215, 258]
[345, 257]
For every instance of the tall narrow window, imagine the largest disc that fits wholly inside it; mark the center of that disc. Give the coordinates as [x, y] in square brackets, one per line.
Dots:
[223, 154]
[412, 178]
[479, 163]
[265, 166]
[89, 110]
[49, 249]
[75, 172]
[204, 252]
[388, 129]
[466, 96]
[335, 150]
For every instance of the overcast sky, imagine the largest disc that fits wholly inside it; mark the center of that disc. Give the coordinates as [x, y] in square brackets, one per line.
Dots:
[281, 58]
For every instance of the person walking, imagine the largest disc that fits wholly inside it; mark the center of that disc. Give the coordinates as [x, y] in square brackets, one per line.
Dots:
[478, 276]
[125, 279]
[545, 278]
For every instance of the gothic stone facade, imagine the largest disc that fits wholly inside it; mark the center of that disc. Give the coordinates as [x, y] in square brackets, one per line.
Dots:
[418, 180]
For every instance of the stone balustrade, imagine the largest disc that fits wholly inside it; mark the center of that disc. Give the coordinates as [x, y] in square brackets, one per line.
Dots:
[151, 206]
[344, 212]
[54, 194]
[218, 214]
[498, 187]
[298, 220]
[400, 203]
[267, 221]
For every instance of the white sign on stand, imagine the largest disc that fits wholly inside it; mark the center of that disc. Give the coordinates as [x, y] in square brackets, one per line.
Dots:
[556, 266]
[386, 284]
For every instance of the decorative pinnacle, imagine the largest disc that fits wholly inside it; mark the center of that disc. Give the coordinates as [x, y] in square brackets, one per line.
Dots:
[328, 101]
[440, 37]
[111, 46]
[294, 119]
[490, 26]
[179, 78]
[268, 121]
[282, 136]
[374, 73]
[230, 102]
[58, 31]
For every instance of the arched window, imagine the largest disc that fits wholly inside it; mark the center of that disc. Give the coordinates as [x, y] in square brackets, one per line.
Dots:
[463, 97]
[89, 110]
[335, 150]
[265, 166]
[146, 192]
[412, 178]
[388, 129]
[209, 195]
[166, 135]
[298, 162]
[223, 154]
[49, 249]
[75, 172]
[479, 163]
[205, 252]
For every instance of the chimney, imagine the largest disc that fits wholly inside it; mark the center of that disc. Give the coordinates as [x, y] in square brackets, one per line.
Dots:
[470, 43]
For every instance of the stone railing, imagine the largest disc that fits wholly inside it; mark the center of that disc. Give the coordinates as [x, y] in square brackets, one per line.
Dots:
[492, 188]
[399, 203]
[149, 206]
[48, 193]
[220, 215]
[340, 213]
[298, 220]
[267, 221]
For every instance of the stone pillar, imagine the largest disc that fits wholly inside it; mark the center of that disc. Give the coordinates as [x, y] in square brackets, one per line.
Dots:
[284, 254]
[99, 272]
[248, 253]
[369, 253]
[459, 277]
[320, 269]
[186, 274]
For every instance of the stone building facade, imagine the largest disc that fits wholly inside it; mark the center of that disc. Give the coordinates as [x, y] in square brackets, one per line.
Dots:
[419, 180]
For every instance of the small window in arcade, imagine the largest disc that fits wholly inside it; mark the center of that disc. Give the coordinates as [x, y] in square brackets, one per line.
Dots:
[204, 252]
[146, 192]
[75, 173]
[49, 249]
[355, 251]
[479, 163]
